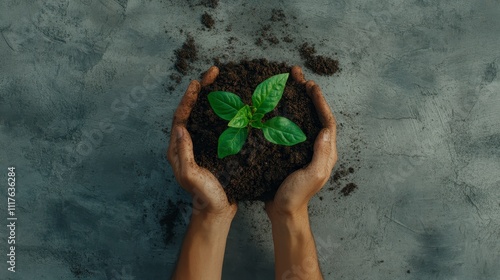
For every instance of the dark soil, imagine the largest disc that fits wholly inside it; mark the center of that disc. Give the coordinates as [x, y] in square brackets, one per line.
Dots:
[265, 34]
[287, 39]
[210, 3]
[274, 30]
[348, 189]
[207, 20]
[319, 64]
[277, 15]
[169, 220]
[259, 42]
[176, 78]
[258, 170]
[185, 55]
[341, 173]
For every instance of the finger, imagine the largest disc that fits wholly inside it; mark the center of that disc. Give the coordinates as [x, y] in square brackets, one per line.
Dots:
[324, 112]
[333, 145]
[184, 149]
[309, 85]
[321, 163]
[186, 105]
[298, 75]
[172, 156]
[210, 76]
[172, 144]
[185, 169]
[180, 118]
[171, 151]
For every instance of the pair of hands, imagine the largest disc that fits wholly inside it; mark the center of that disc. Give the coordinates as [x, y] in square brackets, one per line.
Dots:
[296, 190]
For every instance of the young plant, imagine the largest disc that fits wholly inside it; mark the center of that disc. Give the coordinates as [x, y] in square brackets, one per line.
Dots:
[241, 117]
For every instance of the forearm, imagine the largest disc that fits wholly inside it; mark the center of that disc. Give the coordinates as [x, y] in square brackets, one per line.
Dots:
[202, 252]
[294, 247]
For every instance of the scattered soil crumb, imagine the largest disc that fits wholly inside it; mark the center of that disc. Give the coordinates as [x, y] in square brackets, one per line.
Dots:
[79, 271]
[165, 131]
[408, 271]
[317, 63]
[169, 220]
[348, 189]
[277, 15]
[341, 173]
[231, 40]
[207, 20]
[185, 55]
[210, 3]
[287, 39]
[273, 40]
[259, 42]
[229, 28]
[265, 34]
[176, 78]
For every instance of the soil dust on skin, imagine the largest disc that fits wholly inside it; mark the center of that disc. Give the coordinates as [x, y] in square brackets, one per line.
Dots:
[266, 37]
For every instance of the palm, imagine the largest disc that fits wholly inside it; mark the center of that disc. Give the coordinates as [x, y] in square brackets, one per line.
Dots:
[208, 194]
[292, 193]
[298, 188]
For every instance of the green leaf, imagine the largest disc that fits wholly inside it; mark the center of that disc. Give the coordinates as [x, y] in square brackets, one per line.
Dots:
[225, 104]
[257, 117]
[231, 141]
[282, 131]
[257, 124]
[242, 118]
[256, 121]
[268, 93]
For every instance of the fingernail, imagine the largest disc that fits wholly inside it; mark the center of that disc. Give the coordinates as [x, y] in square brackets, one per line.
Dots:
[326, 135]
[179, 131]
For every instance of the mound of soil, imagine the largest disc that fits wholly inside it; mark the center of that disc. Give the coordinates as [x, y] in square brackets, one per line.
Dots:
[185, 55]
[256, 172]
[319, 64]
[207, 20]
[210, 3]
[277, 15]
[348, 189]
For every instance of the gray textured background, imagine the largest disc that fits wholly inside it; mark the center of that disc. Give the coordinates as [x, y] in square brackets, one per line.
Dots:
[420, 103]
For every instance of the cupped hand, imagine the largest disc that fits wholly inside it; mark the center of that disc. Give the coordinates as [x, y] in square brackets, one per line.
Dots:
[297, 189]
[208, 195]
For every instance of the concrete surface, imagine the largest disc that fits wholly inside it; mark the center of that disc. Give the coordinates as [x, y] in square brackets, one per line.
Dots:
[84, 98]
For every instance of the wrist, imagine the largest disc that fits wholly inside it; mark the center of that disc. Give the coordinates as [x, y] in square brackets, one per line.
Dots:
[220, 217]
[292, 220]
[285, 213]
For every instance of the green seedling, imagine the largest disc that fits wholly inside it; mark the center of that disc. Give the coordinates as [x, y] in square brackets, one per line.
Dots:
[241, 117]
